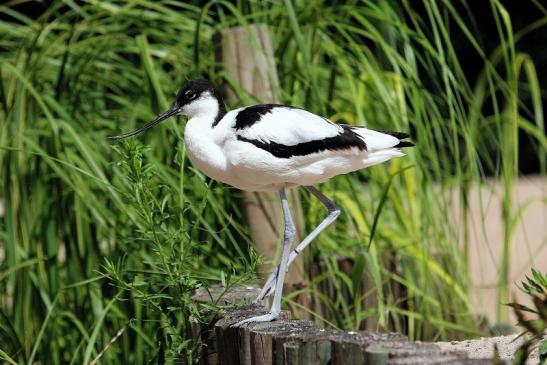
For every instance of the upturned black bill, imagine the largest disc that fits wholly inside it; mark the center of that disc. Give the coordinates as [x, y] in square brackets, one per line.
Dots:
[148, 125]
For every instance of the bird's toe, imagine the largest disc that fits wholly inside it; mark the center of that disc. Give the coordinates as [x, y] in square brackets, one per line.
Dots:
[268, 317]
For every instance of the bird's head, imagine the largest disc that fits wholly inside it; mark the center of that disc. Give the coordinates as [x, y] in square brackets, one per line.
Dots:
[196, 97]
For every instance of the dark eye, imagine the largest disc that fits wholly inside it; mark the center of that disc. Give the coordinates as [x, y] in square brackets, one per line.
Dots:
[189, 95]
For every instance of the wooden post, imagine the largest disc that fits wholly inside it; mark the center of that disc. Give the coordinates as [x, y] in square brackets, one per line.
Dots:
[214, 344]
[246, 56]
[291, 350]
[301, 342]
[349, 347]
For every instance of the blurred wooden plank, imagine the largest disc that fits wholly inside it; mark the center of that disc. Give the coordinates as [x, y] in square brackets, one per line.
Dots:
[246, 57]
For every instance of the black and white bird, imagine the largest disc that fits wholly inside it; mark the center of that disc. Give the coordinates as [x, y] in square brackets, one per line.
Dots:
[270, 147]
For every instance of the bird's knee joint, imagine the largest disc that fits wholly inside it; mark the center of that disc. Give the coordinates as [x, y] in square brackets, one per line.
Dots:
[290, 236]
[334, 212]
[290, 232]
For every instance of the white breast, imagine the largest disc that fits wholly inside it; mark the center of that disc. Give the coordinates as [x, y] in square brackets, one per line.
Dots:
[204, 151]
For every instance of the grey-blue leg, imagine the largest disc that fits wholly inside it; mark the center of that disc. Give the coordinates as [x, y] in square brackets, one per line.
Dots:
[333, 213]
[290, 234]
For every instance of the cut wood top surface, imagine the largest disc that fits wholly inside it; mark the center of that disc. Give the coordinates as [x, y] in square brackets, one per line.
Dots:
[290, 341]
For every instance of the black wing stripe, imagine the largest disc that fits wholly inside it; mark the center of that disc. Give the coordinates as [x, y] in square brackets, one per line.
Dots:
[346, 140]
[252, 114]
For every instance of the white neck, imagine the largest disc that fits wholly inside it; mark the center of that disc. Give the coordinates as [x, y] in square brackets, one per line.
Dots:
[206, 109]
[202, 141]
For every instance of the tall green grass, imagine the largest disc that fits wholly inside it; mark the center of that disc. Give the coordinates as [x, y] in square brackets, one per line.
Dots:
[99, 238]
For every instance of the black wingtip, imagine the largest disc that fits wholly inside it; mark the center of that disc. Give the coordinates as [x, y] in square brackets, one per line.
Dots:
[399, 135]
[403, 144]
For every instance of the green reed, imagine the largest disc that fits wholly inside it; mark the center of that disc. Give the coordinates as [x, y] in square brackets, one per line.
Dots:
[99, 238]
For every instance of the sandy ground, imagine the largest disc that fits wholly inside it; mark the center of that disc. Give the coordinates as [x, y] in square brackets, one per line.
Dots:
[484, 347]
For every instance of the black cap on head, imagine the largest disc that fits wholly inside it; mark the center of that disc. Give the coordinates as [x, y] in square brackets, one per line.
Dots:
[194, 88]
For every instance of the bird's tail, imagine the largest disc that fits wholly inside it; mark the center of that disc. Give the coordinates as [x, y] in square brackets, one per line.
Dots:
[381, 141]
[400, 136]
[382, 146]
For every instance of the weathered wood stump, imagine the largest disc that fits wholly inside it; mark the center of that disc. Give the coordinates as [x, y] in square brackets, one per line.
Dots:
[288, 341]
